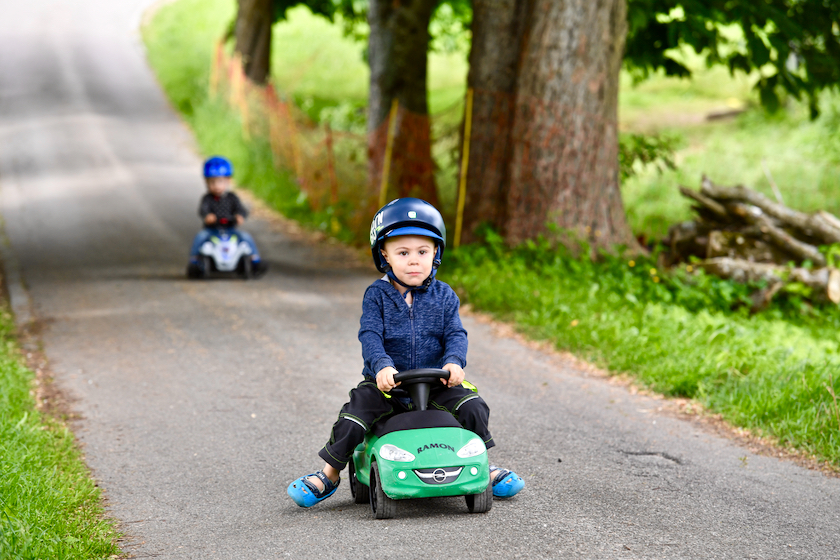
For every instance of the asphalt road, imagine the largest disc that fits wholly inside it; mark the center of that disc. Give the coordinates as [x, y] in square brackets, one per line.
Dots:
[202, 401]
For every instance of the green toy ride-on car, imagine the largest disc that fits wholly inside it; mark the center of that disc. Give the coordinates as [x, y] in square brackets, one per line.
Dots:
[420, 454]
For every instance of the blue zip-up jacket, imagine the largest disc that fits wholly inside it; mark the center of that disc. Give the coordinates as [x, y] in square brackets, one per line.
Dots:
[427, 334]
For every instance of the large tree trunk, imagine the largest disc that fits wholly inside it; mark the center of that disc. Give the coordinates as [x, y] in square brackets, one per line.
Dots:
[397, 51]
[497, 28]
[562, 141]
[253, 38]
[564, 168]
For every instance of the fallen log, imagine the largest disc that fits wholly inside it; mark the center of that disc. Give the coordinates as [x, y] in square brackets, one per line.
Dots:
[746, 244]
[824, 283]
[753, 215]
[817, 225]
[715, 207]
[746, 237]
[688, 239]
[830, 219]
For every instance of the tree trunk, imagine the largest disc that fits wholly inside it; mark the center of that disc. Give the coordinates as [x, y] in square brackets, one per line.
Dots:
[397, 53]
[497, 29]
[253, 38]
[564, 166]
[558, 161]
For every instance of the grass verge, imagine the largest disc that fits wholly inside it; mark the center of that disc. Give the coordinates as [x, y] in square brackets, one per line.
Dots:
[686, 335]
[49, 506]
[680, 334]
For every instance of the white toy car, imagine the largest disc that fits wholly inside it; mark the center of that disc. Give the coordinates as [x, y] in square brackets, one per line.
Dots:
[224, 252]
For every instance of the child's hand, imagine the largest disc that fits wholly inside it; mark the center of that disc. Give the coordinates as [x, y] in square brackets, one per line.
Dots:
[385, 379]
[210, 219]
[456, 375]
[240, 219]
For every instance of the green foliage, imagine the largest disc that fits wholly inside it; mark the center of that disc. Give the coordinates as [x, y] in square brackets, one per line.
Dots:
[186, 77]
[449, 28]
[326, 8]
[49, 506]
[802, 157]
[832, 254]
[793, 45]
[682, 334]
[638, 151]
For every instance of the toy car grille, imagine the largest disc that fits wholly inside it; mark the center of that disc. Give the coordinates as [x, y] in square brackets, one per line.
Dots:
[438, 476]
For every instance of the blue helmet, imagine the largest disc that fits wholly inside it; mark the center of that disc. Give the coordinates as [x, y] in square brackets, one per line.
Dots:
[217, 166]
[406, 216]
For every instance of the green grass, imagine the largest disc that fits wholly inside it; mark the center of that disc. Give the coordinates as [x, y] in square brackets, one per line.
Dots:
[679, 333]
[49, 506]
[800, 155]
[682, 334]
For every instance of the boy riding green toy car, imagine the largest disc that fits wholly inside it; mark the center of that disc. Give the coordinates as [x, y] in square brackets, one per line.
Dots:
[420, 454]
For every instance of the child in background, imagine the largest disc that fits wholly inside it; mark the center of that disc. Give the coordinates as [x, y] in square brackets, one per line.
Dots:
[409, 320]
[220, 208]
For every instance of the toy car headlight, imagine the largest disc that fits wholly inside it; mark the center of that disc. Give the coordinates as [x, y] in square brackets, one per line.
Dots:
[394, 453]
[473, 448]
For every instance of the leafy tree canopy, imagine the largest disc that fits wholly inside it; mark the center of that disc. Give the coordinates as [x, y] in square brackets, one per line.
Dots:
[449, 29]
[326, 8]
[793, 44]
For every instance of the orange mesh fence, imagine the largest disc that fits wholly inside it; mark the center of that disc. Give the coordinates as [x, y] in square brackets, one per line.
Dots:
[343, 173]
[329, 166]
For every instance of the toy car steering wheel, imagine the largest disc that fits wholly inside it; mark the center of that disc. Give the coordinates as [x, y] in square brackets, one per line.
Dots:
[418, 383]
[422, 375]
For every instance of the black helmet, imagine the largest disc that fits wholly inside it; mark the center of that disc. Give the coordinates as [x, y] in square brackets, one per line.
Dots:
[406, 216]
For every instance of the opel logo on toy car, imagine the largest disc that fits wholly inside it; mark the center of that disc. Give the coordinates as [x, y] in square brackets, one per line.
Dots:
[435, 446]
[439, 475]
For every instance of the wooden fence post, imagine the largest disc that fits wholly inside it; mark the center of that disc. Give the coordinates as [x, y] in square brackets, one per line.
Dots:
[389, 146]
[465, 163]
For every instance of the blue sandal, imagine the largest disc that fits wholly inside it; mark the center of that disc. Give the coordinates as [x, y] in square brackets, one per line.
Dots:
[506, 483]
[306, 494]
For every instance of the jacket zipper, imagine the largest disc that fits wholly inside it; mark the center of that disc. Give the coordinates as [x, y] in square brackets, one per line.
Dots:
[413, 346]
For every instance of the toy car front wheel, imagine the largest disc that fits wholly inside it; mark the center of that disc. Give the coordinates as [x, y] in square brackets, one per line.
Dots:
[481, 503]
[360, 492]
[382, 506]
[247, 266]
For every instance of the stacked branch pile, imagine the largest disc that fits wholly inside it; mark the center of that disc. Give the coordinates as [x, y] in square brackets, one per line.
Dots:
[742, 235]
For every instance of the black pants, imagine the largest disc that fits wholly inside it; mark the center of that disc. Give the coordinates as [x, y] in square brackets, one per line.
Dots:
[369, 405]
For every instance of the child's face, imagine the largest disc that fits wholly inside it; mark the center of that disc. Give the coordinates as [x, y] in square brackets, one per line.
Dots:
[410, 257]
[217, 186]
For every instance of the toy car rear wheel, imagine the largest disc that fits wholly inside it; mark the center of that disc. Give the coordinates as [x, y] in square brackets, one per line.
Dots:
[382, 506]
[193, 270]
[206, 266]
[481, 503]
[360, 492]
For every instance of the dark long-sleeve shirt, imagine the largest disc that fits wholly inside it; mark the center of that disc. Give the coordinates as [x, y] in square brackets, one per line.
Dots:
[427, 334]
[226, 206]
